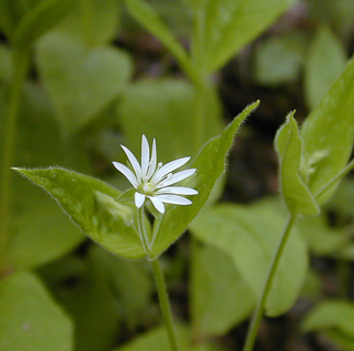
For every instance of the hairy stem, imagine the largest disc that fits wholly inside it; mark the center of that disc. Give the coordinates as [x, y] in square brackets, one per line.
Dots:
[256, 319]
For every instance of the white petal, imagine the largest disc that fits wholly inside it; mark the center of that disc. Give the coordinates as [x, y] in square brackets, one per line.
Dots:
[178, 190]
[127, 173]
[139, 199]
[177, 177]
[145, 156]
[153, 160]
[157, 203]
[168, 168]
[173, 199]
[133, 161]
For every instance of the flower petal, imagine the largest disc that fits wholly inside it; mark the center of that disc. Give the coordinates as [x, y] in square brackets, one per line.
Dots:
[173, 199]
[139, 199]
[178, 190]
[127, 173]
[133, 161]
[145, 156]
[168, 168]
[157, 203]
[153, 160]
[177, 177]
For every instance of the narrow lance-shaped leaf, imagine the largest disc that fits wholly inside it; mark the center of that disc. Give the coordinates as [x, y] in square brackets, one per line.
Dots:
[296, 195]
[91, 205]
[210, 164]
[329, 131]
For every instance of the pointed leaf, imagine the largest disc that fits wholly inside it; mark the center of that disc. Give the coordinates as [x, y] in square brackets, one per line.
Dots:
[30, 319]
[250, 235]
[296, 195]
[91, 205]
[210, 165]
[330, 129]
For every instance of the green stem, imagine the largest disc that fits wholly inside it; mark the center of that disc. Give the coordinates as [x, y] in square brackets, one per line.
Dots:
[164, 304]
[253, 329]
[19, 74]
[160, 283]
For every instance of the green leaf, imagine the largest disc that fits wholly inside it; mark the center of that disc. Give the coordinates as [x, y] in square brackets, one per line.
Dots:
[331, 314]
[330, 129]
[295, 192]
[210, 165]
[345, 342]
[146, 16]
[326, 60]
[224, 27]
[157, 340]
[166, 106]
[220, 297]
[93, 21]
[30, 319]
[91, 205]
[38, 21]
[90, 285]
[81, 81]
[250, 235]
[278, 59]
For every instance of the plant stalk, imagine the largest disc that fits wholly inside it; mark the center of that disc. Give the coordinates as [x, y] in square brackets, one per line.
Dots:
[160, 283]
[13, 108]
[256, 319]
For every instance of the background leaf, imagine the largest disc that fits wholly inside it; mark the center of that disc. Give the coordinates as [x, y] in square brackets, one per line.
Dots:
[330, 128]
[250, 235]
[220, 297]
[226, 26]
[164, 107]
[30, 319]
[210, 165]
[81, 81]
[326, 60]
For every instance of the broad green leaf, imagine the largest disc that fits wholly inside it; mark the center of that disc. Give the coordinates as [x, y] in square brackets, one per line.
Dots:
[93, 21]
[278, 59]
[81, 81]
[157, 340]
[250, 235]
[164, 107]
[5, 64]
[40, 232]
[91, 205]
[89, 298]
[220, 297]
[224, 27]
[295, 192]
[344, 341]
[326, 60]
[321, 238]
[145, 14]
[331, 314]
[38, 21]
[30, 319]
[330, 130]
[210, 165]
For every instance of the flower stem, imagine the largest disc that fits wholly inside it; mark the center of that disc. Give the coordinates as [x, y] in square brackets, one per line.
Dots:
[13, 108]
[256, 319]
[159, 281]
[164, 303]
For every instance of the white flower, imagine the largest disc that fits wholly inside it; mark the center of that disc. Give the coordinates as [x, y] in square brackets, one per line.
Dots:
[151, 179]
